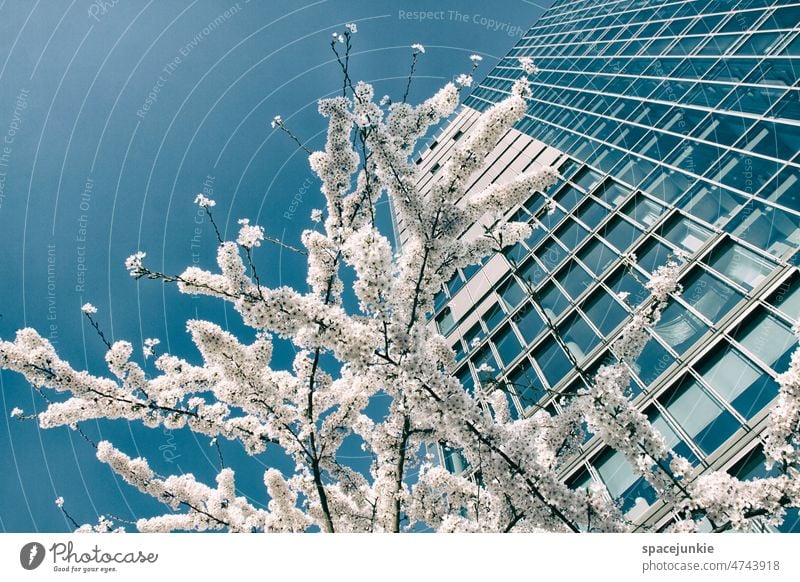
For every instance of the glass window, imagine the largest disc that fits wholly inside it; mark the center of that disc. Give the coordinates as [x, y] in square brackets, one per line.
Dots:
[643, 210]
[512, 294]
[586, 178]
[738, 380]
[455, 283]
[674, 441]
[784, 188]
[623, 282]
[493, 316]
[529, 322]
[708, 295]
[527, 385]
[574, 279]
[604, 311]
[767, 228]
[685, 234]
[592, 213]
[578, 336]
[652, 362]
[445, 321]
[571, 234]
[667, 184]
[623, 483]
[756, 100]
[550, 254]
[552, 301]
[738, 264]
[778, 140]
[465, 377]
[552, 361]
[678, 328]
[507, 344]
[620, 233]
[711, 203]
[531, 272]
[612, 192]
[787, 297]
[485, 365]
[701, 417]
[651, 255]
[766, 337]
[568, 196]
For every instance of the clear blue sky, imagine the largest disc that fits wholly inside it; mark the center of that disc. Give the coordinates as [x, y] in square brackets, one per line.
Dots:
[117, 117]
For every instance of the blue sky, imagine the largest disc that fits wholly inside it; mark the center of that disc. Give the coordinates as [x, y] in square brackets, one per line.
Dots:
[118, 116]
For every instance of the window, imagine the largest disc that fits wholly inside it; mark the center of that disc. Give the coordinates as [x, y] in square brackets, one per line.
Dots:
[578, 336]
[787, 297]
[739, 264]
[685, 234]
[465, 377]
[702, 418]
[529, 322]
[550, 254]
[551, 360]
[768, 228]
[527, 385]
[643, 210]
[552, 301]
[531, 272]
[512, 294]
[623, 483]
[708, 295]
[485, 365]
[620, 233]
[711, 203]
[737, 380]
[596, 256]
[571, 234]
[678, 328]
[445, 321]
[592, 213]
[767, 338]
[574, 279]
[507, 344]
[652, 254]
[673, 440]
[604, 311]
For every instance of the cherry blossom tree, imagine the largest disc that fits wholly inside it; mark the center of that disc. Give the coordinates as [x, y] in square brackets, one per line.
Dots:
[388, 347]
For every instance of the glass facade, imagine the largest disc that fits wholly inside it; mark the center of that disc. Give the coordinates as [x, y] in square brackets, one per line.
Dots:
[679, 125]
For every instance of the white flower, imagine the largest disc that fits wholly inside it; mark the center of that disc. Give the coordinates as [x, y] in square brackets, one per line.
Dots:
[204, 202]
[59, 502]
[16, 413]
[418, 48]
[484, 367]
[276, 121]
[340, 38]
[249, 236]
[475, 59]
[134, 264]
[385, 100]
[316, 215]
[88, 308]
[623, 296]
[464, 80]
[149, 346]
[527, 65]
[351, 27]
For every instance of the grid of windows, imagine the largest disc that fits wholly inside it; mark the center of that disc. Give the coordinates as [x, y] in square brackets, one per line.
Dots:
[680, 123]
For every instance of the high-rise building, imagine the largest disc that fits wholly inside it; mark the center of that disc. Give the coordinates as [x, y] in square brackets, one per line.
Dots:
[676, 127]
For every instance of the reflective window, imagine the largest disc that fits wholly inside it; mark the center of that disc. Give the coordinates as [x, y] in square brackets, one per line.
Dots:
[574, 279]
[485, 365]
[768, 228]
[623, 483]
[474, 335]
[685, 234]
[737, 380]
[445, 321]
[701, 417]
[465, 377]
[678, 328]
[620, 233]
[652, 254]
[512, 294]
[507, 344]
[578, 336]
[738, 264]
[571, 234]
[592, 213]
[671, 437]
[550, 254]
[493, 316]
[652, 362]
[596, 256]
[552, 301]
[527, 385]
[643, 210]
[552, 361]
[766, 337]
[708, 295]
[711, 203]
[787, 297]
[604, 311]
[529, 322]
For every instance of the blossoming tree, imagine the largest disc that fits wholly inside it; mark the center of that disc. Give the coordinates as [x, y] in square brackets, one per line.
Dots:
[388, 347]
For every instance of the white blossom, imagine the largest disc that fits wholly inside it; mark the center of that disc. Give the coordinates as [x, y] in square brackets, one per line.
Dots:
[418, 48]
[351, 27]
[527, 65]
[250, 236]
[475, 59]
[316, 215]
[277, 120]
[17, 412]
[204, 202]
[59, 502]
[88, 309]
[464, 80]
